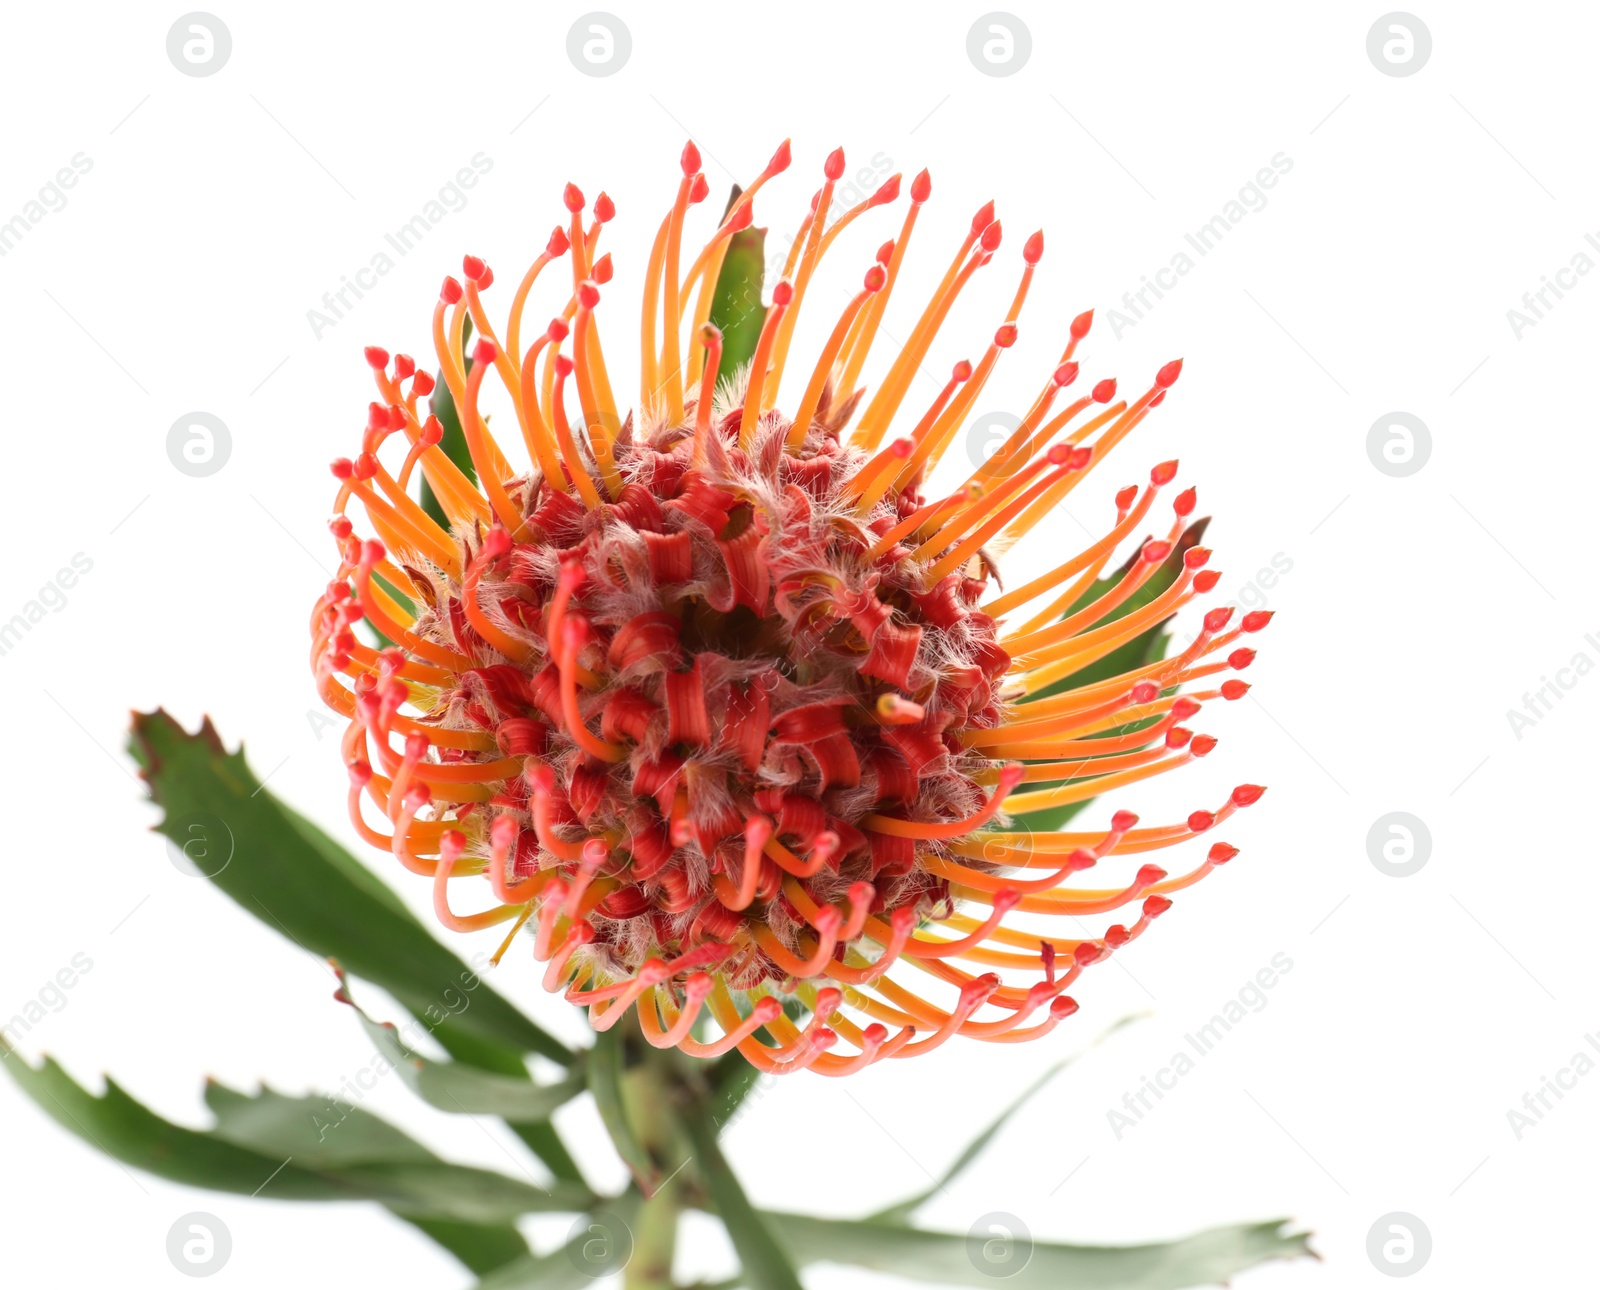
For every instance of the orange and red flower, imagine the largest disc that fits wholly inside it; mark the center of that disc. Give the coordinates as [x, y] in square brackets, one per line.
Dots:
[720, 702]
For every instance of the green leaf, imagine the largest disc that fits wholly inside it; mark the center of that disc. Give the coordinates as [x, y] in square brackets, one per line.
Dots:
[287, 1148]
[318, 1132]
[557, 1270]
[541, 1138]
[1206, 1258]
[462, 1089]
[564, 1268]
[454, 443]
[481, 1247]
[288, 873]
[736, 307]
[125, 1130]
[761, 1250]
[901, 1212]
[1142, 650]
[732, 1079]
[603, 1069]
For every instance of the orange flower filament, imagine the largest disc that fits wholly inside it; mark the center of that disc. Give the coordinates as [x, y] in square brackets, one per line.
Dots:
[715, 705]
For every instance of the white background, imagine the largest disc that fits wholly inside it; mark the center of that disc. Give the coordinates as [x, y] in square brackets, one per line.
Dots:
[1418, 610]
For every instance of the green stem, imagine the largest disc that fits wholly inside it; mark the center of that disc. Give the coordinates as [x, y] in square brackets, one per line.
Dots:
[655, 1242]
[647, 1097]
[766, 1265]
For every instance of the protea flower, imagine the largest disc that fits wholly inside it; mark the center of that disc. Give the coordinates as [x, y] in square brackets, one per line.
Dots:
[719, 701]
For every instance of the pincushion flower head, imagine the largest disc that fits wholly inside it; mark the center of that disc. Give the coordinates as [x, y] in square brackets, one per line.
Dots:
[717, 701]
